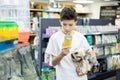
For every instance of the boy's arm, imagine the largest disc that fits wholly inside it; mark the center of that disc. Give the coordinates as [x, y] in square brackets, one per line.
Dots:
[56, 59]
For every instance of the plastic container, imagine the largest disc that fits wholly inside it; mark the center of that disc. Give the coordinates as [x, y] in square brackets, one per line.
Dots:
[23, 37]
[8, 34]
[67, 41]
[8, 30]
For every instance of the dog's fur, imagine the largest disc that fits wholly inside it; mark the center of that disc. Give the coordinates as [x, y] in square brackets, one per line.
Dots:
[82, 59]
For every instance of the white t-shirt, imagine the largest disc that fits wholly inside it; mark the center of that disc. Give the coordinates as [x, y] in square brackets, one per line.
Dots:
[66, 70]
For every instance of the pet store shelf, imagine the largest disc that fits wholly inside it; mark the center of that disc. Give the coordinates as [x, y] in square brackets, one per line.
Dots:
[101, 57]
[45, 36]
[104, 33]
[112, 54]
[104, 44]
[102, 75]
[55, 22]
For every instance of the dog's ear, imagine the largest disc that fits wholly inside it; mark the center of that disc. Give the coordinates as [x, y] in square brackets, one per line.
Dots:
[73, 58]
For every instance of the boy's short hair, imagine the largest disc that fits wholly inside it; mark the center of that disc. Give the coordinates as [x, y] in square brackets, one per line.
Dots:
[68, 14]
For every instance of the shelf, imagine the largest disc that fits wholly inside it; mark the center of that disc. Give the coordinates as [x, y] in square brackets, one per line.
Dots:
[41, 10]
[100, 57]
[104, 44]
[104, 33]
[102, 75]
[108, 55]
[45, 36]
[91, 76]
[84, 13]
[33, 22]
[35, 10]
[118, 12]
[32, 34]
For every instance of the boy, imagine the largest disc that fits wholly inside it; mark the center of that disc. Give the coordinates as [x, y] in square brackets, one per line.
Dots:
[61, 55]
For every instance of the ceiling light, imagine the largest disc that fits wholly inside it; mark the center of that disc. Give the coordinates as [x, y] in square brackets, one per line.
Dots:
[106, 0]
[82, 1]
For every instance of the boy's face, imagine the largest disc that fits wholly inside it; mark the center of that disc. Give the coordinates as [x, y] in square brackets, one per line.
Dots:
[68, 25]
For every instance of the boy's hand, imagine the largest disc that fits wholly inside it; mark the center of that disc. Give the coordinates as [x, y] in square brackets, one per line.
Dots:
[65, 50]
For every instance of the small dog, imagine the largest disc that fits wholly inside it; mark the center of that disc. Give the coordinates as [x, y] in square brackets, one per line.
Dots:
[82, 59]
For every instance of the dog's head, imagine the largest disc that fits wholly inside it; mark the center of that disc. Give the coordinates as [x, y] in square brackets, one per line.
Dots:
[81, 61]
[78, 55]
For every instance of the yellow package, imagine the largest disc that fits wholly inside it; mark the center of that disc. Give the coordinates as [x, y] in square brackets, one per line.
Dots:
[67, 41]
